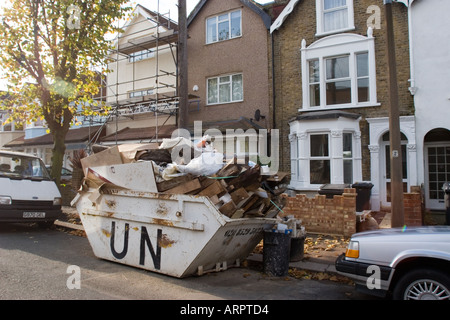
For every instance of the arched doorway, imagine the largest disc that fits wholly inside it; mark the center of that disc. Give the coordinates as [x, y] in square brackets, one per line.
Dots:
[437, 166]
[379, 140]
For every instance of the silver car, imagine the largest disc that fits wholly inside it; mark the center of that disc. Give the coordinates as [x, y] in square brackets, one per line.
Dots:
[402, 263]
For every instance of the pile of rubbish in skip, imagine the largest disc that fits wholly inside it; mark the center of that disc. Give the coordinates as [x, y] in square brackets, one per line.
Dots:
[238, 188]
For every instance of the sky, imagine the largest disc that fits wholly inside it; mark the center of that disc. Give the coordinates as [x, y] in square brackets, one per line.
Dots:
[168, 8]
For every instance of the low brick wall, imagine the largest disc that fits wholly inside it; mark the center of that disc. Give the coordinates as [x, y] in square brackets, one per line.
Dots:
[412, 203]
[335, 216]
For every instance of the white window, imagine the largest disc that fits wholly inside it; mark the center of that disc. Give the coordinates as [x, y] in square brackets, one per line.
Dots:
[223, 27]
[334, 16]
[325, 151]
[141, 55]
[339, 72]
[319, 158]
[347, 153]
[225, 89]
[140, 93]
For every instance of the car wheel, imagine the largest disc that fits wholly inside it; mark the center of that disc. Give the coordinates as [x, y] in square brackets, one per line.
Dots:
[423, 284]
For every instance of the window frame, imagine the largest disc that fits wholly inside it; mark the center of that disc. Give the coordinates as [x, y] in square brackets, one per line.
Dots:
[229, 19]
[336, 79]
[320, 158]
[231, 86]
[320, 18]
[141, 55]
[300, 146]
[350, 158]
[334, 46]
[140, 93]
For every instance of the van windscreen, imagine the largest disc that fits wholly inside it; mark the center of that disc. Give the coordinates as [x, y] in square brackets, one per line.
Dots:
[22, 166]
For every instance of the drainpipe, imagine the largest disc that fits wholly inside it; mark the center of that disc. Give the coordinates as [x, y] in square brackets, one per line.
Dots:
[273, 82]
[412, 88]
[412, 82]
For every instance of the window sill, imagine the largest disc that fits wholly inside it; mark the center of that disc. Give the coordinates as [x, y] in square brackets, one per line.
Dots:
[323, 34]
[340, 106]
[221, 41]
[223, 103]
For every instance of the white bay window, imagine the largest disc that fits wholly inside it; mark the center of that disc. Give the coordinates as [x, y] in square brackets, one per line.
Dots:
[339, 72]
[325, 148]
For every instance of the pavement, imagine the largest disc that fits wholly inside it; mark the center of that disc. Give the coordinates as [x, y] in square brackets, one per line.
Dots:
[320, 251]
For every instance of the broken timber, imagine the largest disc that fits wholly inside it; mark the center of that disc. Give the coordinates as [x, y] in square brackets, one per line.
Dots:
[236, 190]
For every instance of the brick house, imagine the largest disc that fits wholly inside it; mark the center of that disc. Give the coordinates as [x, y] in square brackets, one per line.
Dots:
[228, 68]
[330, 86]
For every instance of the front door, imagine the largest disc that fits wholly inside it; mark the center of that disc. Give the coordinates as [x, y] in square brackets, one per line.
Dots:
[437, 171]
[385, 189]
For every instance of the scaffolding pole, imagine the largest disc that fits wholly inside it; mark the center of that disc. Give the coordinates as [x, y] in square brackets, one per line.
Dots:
[160, 102]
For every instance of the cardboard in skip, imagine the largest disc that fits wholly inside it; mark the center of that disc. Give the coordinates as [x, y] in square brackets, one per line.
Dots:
[117, 166]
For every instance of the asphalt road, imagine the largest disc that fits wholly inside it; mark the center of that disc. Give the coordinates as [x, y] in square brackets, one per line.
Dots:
[35, 264]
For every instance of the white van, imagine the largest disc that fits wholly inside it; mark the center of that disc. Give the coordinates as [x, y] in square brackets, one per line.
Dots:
[27, 192]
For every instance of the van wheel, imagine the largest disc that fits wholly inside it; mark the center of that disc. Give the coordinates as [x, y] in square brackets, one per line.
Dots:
[45, 224]
[423, 284]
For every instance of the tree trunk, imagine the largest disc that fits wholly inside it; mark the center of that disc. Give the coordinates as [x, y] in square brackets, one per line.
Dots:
[59, 149]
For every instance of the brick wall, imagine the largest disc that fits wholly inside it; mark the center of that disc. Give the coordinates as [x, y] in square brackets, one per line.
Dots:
[335, 216]
[301, 24]
[412, 209]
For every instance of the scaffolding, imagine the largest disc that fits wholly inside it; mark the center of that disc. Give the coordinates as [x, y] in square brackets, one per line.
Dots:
[151, 41]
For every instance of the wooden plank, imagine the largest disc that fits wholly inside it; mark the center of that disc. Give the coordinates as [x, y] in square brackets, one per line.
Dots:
[239, 213]
[186, 187]
[239, 195]
[172, 183]
[214, 199]
[228, 208]
[214, 189]
[279, 177]
[247, 178]
[205, 181]
[229, 170]
[253, 199]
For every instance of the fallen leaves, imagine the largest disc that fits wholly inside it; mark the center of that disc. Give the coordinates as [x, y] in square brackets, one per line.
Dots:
[311, 275]
[317, 245]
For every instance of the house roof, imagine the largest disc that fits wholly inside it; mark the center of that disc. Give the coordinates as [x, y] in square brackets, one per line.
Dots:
[148, 42]
[78, 135]
[147, 133]
[283, 15]
[291, 5]
[248, 3]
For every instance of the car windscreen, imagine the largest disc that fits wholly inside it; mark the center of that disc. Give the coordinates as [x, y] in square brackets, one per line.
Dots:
[22, 167]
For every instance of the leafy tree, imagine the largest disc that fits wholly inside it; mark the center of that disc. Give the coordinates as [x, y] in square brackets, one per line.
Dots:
[48, 52]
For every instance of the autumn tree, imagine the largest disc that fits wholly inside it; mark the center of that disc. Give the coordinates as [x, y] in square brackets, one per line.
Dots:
[51, 51]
